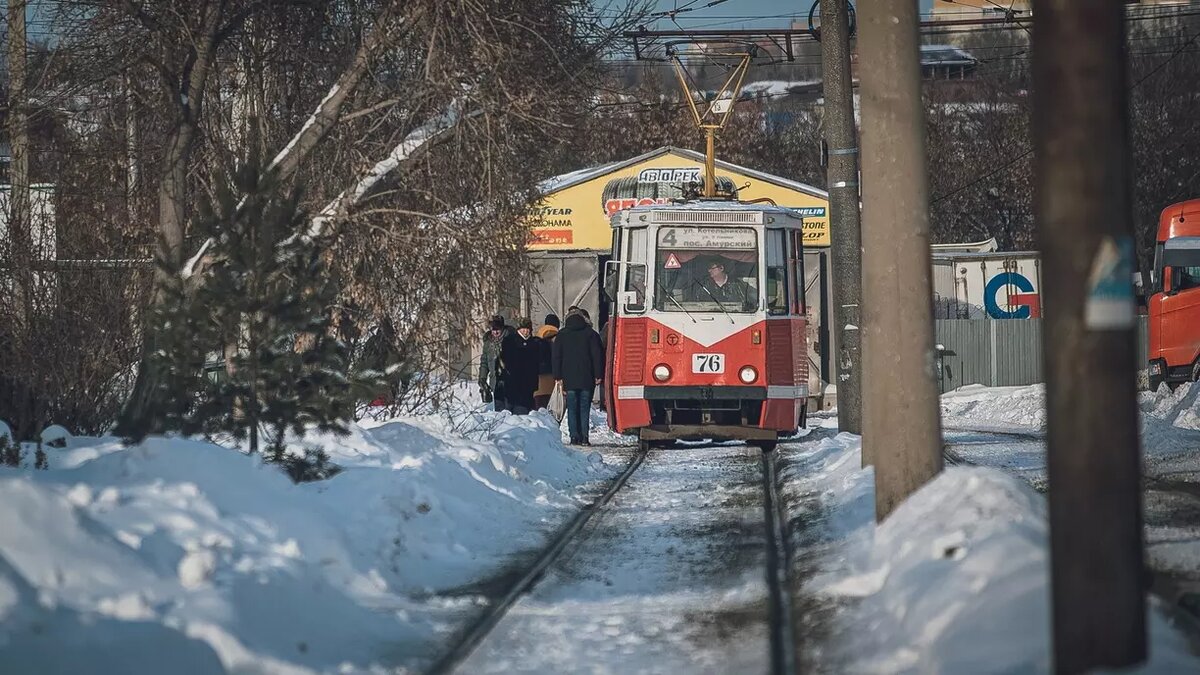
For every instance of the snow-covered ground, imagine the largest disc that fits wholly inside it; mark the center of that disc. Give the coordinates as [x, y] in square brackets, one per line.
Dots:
[183, 556]
[670, 577]
[956, 580]
[1170, 432]
[187, 557]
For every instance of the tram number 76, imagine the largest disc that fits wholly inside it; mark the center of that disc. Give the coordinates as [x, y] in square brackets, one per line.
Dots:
[708, 363]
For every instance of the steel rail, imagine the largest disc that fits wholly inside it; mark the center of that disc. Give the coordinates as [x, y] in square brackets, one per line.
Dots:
[783, 636]
[477, 631]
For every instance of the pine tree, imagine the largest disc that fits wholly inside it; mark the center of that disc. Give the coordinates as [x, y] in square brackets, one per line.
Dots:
[266, 302]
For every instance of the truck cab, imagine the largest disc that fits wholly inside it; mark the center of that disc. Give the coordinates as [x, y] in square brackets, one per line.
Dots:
[1174, 302]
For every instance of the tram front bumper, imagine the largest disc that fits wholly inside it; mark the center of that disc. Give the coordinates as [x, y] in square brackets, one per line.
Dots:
[721, 392]
[697, 432]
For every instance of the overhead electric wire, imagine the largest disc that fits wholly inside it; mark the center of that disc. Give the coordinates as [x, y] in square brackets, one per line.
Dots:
[1012, 161]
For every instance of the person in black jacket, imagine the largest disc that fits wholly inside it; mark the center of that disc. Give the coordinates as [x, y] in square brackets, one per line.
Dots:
[578, 363]
[520, 355]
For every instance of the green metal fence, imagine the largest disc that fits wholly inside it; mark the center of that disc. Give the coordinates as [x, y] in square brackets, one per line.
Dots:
[999, 353]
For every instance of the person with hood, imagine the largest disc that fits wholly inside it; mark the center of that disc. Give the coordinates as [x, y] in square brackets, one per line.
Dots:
[489, 374]
[578, 363]
[520, 355]
[549, 329]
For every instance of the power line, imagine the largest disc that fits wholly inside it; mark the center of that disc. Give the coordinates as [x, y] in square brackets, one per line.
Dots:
[1007, 165]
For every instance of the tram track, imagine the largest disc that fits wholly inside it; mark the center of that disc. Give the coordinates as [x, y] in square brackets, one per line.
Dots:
[778, 626]
[982, 436]
[479, 629]
[783, 640]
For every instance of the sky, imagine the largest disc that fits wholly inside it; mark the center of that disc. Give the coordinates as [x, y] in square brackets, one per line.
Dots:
[742, 13]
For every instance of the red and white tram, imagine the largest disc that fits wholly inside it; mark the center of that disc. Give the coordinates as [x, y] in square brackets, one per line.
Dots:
[707, 336]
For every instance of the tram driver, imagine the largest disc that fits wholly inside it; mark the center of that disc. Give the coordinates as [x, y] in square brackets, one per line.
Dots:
[728, 290]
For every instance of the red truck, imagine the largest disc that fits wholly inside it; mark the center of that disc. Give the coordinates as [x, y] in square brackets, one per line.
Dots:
[1174, 303]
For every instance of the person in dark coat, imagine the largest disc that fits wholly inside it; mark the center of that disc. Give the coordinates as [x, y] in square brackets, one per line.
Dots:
[520, 355]
[490, 388]
[578, 363]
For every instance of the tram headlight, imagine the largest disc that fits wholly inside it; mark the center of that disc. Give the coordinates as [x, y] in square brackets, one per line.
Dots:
[748, 374]
[661, 372]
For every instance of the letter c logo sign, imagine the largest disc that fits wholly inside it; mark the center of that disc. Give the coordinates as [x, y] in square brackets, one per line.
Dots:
[994, 286]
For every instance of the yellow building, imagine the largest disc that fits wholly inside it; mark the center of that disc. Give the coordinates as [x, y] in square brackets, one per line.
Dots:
[572, 237]
[577, 206]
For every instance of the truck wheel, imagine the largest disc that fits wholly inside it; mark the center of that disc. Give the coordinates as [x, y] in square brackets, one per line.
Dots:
[1154, 383]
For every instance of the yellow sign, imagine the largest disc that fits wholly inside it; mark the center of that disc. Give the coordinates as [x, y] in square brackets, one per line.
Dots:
[576, 215]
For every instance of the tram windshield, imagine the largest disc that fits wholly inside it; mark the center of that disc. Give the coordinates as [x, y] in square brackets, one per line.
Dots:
[706, 269]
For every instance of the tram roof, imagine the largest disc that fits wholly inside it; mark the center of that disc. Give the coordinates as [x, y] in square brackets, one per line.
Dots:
[574, 178]
[716, 205]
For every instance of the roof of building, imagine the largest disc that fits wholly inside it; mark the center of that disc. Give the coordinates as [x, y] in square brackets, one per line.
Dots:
[985, 246]
[946, 55]
[574, 178]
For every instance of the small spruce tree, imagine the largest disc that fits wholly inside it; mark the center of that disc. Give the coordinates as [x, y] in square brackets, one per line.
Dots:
[265, 302]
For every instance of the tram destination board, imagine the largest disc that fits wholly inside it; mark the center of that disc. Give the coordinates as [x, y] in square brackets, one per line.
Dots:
[740, 238]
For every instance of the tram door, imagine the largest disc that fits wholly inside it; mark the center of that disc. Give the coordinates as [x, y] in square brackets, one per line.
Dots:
[820, 343]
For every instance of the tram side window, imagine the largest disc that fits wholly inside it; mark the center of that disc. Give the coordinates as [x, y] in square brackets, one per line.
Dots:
[612, 271]
[635, 275]
[777, 285]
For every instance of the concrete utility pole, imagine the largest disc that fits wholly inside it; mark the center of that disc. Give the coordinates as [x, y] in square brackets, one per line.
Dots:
[901, 422]
[841, 138]
[19, 225]
[1085, 232]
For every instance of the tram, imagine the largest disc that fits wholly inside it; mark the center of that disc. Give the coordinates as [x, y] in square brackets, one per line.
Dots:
[707, 338]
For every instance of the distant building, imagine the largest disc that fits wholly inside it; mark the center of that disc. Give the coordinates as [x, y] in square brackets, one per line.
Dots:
[948, 10]
[946, 62]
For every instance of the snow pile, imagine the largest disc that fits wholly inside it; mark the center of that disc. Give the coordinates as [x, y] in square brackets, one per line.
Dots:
[1170, 421]
[776, 88]
[955, 580]
[184, 552]
[982, 408]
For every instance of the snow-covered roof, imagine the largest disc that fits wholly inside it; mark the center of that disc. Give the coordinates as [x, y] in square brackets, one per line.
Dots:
[778, 87]
[716, 205]
[944, 256]
[567, 180]
[984, 246]
[575, 177]
[946, 55]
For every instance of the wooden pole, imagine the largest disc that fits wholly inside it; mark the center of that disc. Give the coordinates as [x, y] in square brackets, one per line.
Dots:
[841, 137]
[1084, 222]
[901, 422]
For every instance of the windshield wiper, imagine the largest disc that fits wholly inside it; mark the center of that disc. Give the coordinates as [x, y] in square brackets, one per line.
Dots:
[670, 297]
[710, 294]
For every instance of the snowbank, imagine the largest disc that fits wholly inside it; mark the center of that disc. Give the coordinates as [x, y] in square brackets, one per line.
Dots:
[956, 580]
[984, 408]
[183, 556]
[1170, 419]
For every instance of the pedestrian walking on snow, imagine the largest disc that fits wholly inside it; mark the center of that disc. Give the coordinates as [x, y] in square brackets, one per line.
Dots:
[547, 333]
[578, 363]
[520, 356]
[490, 389]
